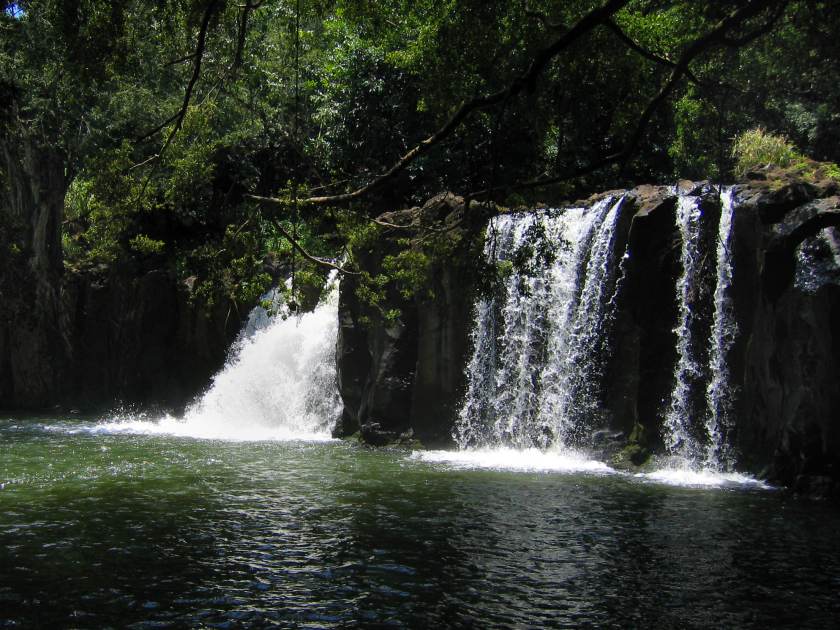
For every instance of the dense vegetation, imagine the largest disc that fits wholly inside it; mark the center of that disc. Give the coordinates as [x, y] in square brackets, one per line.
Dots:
[165, 120]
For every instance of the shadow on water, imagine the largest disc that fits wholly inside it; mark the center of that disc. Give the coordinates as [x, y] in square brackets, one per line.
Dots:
[152, 531]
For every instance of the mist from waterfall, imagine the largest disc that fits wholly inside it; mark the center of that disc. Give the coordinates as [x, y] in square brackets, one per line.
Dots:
[279, 381]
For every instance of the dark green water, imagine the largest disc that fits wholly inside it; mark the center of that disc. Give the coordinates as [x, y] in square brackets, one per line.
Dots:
[153, 531]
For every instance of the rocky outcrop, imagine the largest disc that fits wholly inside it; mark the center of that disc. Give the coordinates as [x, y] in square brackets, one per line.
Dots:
[403, 378]
[123, 336]
[785, 363]
[788, 359]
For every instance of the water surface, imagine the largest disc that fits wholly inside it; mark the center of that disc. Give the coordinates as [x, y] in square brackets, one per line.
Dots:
[117, 528]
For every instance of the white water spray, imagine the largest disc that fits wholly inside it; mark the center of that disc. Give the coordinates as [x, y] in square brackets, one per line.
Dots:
[573, 371]
[534, 370]
[279, 383]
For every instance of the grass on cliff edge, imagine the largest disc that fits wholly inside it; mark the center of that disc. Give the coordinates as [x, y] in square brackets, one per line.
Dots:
[757, 147]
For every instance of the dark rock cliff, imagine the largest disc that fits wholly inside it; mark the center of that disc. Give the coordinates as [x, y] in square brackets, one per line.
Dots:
[404, 379]
[785, 363]
[128, 334]
[124, 336]
[407, 378]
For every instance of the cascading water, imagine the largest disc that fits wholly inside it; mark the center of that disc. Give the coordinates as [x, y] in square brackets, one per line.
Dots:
[573, 371]
[818, 261]
[677, 433]
[533, 375]
[536, 375]
[719, 392]
[707, 444]
[279, 382]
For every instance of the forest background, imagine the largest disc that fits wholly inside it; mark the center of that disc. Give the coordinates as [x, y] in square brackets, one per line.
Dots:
[213, 138]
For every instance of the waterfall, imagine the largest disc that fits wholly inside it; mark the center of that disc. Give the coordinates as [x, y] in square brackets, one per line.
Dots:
[533, 376]
[677, 433]
[573, 371]
[279, 381]
[719, 393]
[540, 343]
[707, 443]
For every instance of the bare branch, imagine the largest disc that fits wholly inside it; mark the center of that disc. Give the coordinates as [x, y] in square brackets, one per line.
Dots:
[175, 62]
[144, 162]
[271, 201]
[395, 226]
[157, 129]
[200, 46]
[318, 261]
[197, 56]
[758, 32]
[713, 38]
[630, 43]
[240, 40]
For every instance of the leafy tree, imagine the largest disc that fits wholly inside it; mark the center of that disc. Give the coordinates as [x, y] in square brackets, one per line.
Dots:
[214, 137]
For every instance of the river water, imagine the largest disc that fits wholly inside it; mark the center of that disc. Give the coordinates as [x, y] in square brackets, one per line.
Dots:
[121, 526]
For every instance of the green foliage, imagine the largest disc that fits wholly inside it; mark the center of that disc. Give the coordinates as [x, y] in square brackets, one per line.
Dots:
[757, 147]
[98, 80]
[694, 149]
[409, 271]
[142, 244]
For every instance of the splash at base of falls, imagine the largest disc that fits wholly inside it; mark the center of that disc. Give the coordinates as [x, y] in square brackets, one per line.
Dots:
[279, 383]
[677, 471]
[674, 472]
[512, 459]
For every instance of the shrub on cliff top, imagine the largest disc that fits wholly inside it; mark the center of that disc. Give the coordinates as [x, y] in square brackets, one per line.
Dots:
[758, 147]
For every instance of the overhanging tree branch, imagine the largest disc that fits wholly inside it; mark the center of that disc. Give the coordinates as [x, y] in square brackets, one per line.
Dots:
[197, 57]
[632, 45]
[314, 259]
[716, 37]
[200, 47]
[525, 81]
[758, 32]
[241, 35]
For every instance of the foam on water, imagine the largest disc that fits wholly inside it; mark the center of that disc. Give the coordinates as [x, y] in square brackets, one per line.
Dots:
[512, 459]
[184, 427]
[685, 476]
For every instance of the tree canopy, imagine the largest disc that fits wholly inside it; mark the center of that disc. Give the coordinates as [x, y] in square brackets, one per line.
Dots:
[175, 120]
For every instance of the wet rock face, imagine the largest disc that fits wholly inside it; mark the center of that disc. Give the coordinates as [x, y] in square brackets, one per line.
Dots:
[141, 340]
[787, 359]
[785, 362]
[640, 372]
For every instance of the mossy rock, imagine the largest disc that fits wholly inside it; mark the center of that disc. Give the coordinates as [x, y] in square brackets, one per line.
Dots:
[631, 457]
